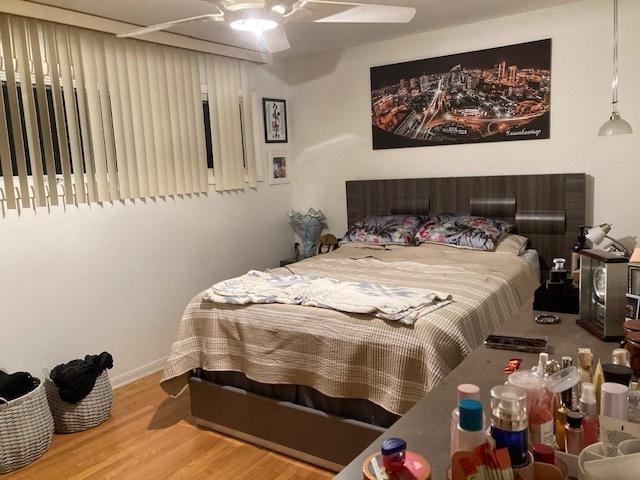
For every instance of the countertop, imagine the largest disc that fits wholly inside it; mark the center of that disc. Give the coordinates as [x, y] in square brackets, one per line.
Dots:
[426, 426]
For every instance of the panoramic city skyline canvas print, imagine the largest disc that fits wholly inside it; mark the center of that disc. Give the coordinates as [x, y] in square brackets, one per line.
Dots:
[493, 95]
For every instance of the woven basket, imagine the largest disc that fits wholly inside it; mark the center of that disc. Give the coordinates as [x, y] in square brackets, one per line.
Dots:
[26, 428]
[89, 412]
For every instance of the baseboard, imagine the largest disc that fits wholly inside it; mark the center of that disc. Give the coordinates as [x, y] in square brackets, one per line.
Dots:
[137, 373]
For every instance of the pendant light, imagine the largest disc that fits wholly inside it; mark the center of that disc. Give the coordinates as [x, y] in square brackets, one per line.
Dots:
[615, 125]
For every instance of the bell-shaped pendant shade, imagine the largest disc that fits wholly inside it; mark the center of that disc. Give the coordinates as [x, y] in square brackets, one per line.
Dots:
[615, 126]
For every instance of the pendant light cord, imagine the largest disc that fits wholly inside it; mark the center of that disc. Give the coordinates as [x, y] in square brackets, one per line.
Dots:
[614, 101]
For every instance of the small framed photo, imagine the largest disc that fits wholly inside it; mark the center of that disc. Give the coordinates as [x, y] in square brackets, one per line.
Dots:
[279, 168]
[275, 120]
[633, 307]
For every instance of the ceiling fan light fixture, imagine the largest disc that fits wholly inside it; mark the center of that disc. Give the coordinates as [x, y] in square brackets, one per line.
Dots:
[254, 25]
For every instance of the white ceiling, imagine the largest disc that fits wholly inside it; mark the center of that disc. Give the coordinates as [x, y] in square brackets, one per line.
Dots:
[305, 37]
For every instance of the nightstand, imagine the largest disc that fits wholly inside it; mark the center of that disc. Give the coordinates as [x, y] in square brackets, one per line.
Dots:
[287, 261]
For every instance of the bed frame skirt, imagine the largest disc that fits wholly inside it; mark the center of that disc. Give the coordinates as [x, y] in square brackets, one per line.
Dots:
[310, 435]
[300, 432]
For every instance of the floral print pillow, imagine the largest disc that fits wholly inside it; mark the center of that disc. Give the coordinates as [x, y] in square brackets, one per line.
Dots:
[464, 231]
[384, 230]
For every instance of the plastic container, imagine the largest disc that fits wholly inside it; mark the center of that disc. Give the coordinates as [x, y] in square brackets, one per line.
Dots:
[613, 400]
[393, 454]
[563, 380]
[540, 402]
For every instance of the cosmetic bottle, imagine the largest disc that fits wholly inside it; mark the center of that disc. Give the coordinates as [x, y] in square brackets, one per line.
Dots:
[509, 422]
[465, 391]
[560, 383]
[588, 408]
[543, 360]
[585, 358]
[471, 433]
[561, 420]
[539, 404]
[574, 433]
[394, 451]
[567, 395]
[598, 380]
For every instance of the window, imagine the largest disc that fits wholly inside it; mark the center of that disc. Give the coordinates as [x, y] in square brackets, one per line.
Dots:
[54, 131]
[207, 133]
[115, 119]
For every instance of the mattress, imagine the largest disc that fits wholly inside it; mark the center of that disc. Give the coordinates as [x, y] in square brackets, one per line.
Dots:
[356, 356]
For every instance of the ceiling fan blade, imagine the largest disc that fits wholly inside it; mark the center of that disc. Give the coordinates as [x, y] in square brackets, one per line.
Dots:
[275, 40]
[165, 25]
[365, 13]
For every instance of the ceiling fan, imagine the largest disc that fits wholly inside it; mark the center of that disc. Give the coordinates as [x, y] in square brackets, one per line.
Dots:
[265, 18]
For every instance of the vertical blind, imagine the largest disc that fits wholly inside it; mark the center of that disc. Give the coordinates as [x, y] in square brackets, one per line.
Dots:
[116, 119]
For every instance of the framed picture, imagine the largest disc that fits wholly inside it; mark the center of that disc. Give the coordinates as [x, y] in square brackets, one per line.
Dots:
[275, 120]
[633, 307]
[494, 95]
[279, 168]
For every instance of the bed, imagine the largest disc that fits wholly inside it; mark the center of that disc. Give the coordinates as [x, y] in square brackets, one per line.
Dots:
[286, 376]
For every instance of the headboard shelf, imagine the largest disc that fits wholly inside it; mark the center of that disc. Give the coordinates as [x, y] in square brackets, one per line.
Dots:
[548, 209]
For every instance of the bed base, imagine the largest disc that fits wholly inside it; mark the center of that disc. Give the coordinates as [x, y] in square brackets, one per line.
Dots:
[304, 433]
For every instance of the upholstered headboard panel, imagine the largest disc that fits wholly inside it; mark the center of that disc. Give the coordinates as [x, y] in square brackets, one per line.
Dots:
[546, 208]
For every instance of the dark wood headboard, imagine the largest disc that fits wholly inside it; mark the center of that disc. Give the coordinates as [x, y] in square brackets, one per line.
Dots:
[548, 209]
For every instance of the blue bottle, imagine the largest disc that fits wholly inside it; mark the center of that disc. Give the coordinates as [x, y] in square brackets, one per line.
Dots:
[509, 422]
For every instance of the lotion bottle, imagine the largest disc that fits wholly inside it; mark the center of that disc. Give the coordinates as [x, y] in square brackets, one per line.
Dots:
[465, 391]
[471, 433]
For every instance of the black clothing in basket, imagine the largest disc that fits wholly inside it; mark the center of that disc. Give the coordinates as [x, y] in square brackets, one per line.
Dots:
[76, 379]
[15, 385]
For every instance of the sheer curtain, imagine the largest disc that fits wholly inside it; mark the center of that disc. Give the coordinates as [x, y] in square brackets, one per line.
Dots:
[114, 119]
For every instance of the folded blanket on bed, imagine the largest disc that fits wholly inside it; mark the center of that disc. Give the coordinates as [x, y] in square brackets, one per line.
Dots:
[402, 304]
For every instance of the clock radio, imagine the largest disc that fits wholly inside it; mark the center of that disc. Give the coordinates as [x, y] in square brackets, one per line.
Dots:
[603, 287]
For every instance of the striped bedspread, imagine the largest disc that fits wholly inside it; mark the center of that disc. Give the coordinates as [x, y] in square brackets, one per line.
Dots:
[350, 355]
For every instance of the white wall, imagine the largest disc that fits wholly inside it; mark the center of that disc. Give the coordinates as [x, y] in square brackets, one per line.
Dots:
[117, 277]
[330, 113]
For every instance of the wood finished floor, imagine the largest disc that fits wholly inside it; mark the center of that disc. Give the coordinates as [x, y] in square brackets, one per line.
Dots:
[152, 436]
